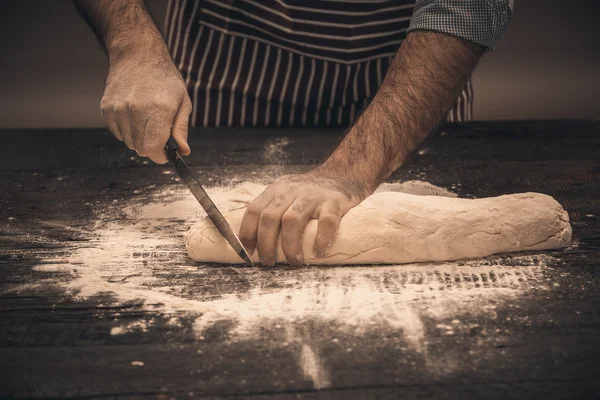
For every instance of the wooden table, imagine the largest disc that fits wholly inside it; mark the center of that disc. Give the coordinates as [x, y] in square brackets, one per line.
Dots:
[538, 338]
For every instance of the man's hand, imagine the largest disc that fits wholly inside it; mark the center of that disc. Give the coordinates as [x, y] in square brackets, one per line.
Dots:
[422, 83]
[145, 101]
[289, 203]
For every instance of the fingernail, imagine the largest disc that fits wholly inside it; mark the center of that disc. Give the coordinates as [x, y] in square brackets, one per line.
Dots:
[267, 262]
[296, 260]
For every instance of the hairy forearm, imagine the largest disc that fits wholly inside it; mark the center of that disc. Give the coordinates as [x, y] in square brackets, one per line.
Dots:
[423, 81]
[124, 27]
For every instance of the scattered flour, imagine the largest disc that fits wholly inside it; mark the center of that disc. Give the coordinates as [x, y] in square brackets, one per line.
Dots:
[416, 187]
[313, 369]
[141, 326]
[141, 259]
[118, 330]
[274, 151]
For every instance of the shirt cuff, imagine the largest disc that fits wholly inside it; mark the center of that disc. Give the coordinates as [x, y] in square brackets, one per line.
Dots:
[478, 21]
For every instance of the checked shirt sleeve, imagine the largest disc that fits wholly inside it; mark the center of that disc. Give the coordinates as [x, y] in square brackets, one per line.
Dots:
[479, 21]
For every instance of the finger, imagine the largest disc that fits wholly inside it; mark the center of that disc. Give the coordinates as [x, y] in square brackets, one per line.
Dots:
[141, 125]
[181, 126]
[249, 225]
[293, 223]
[123, 123]
[268, 229]
[159, 158]
[155, 134]
[109, 119]
[329, 220]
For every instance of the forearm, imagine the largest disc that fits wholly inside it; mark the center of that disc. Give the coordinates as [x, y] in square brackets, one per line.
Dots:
[423, 81]
[124, 27]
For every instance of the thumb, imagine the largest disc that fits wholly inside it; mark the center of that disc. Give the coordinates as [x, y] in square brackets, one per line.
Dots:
[181, 125]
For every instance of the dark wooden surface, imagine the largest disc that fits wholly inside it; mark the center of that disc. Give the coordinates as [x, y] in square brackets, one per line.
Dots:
[544, 344]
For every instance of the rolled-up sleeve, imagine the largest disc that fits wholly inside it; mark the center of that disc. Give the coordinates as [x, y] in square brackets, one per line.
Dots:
[479, 21]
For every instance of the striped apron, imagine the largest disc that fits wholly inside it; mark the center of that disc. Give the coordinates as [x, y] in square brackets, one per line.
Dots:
[287, 62]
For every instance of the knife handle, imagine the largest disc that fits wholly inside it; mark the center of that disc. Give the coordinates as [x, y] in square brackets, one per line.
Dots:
[171, 149]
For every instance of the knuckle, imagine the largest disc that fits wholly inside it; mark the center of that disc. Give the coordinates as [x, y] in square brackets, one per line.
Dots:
[106, 110]
[119, 106]
[278, 200]
[268, 217]
[300, 205]
[165, 107]
[105, 105]
[328, 219]
[334, 202]
[155, 125]
[286, 179]
[180, 130]
[253, 210]
[133, 107]
[291, 219]
[187, 104]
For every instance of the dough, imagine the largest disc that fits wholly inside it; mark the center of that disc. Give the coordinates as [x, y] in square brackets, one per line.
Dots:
[396, 228]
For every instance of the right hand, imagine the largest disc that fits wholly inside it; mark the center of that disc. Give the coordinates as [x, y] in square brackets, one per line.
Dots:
[144, 102]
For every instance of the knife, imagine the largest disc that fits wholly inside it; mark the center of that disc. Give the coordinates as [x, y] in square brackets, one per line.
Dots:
[211, 209]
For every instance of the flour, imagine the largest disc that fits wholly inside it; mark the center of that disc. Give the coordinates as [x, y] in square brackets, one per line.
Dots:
[139, 326]
[416, 187]
[391, 298]
[274, 151]
[312, 367]
[141, 260]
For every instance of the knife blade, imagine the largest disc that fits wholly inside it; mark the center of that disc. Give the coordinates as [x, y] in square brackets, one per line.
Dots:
[207, 204]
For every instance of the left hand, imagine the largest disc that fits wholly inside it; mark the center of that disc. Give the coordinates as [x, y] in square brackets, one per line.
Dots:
[289, 203]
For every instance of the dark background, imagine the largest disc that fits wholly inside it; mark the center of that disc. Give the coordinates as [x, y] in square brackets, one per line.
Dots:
[547, 66]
